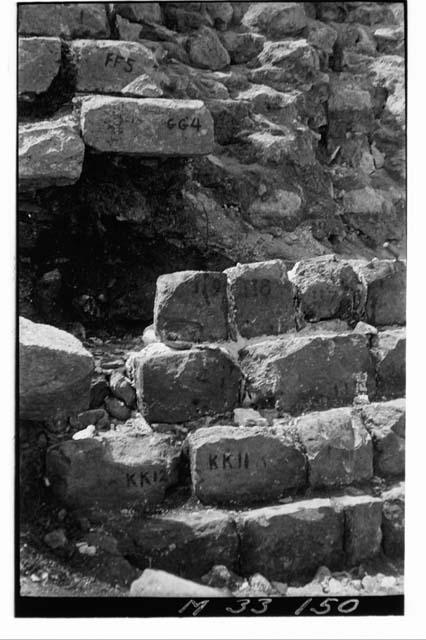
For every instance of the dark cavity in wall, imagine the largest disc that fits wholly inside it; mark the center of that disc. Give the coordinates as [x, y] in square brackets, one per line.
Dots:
[104, 241]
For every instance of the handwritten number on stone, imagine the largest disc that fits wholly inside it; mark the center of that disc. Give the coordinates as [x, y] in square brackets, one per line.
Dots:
[198, 606]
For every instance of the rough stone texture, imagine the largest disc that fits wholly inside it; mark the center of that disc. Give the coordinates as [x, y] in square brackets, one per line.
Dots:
[338, 447]
[238, 465]
[386, 423]
[287, 64]
[67, 20]
[187, 543]
[275, 540]
[221, 14]
[119, 468]
[276, 19]
[242, 47]
[350, 108]
[206, 50]
[139, 11]
[175, 386]
[191, 305]
[50, 153]
[105, 66]
[328, 287]
[122, 389]
[147, 126]
[393, 520]
[160, 584]
[311, 372]
[261, 298]
[386, 286]
[54, 372]
[388, 348]
[363, 520]
[39, 60]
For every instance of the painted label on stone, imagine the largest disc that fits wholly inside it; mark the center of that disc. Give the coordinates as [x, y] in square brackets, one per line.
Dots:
[143, 478]
[114, 60]
[225, 461]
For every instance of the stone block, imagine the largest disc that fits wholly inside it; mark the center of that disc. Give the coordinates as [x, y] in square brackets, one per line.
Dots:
[288, 63]
[192, 306]
[139, 11]
[64, 19]
[177, 386]
[338, 447]
[118, 469]
[186, 542]
[393, 520]
[235, 465]
[160, 584]
[147, 127]
[285, 541]
[275, 19]
[39, 60]
[328, 287]
[54, 372]
[298, 374]
[107, 66]
[386, 423]
[261, 298]
[363, 520]
[206, 50]
[388, 348]
[50, 153]
[386, 282]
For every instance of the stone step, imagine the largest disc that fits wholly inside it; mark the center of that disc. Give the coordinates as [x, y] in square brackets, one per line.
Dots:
[264, 300]
[147, 127]
[338, 531]
[329, 449]
[65, 20]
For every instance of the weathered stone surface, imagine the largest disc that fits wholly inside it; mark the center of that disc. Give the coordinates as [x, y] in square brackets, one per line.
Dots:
[50, 153]
[206, 50]
[230, 117]
[310, 372]
[67, 20]
[175, 386]
[265, 100]
[363, 520]
[291, 63]
[150, 126]
[242, 47]
[320, 35]
[160, 584]
[393, 520]
[106, 66]
[221, 14]
[139, 11]
[281, 209]
[372, 212]
[386, 287]
[117, 409]
[338, 447]
[122, 388]
[237, 465]
[261, 298]
[292, 539]
[328, 288]
[295, 147]
[54, 372]
[388, 348]
[39, 60]
[99, 390]
[350, 108]
[275, 19]
[191, 305]
[118, 468]
[187, 543]
[386, 423]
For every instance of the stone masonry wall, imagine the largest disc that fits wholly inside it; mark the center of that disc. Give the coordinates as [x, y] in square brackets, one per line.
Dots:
[265, 130]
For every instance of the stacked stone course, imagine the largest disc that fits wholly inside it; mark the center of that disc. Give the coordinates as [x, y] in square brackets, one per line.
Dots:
[270, 397]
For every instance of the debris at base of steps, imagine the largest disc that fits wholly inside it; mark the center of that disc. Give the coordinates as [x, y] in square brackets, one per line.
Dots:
[155, 583]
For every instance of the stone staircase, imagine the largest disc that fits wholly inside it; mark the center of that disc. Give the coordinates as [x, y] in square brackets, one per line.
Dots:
[270, 432]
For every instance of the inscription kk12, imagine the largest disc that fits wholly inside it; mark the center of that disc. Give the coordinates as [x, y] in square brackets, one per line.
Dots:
[143, 478]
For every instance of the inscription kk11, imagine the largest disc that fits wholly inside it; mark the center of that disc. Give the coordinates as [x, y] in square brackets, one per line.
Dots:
[228, 461]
